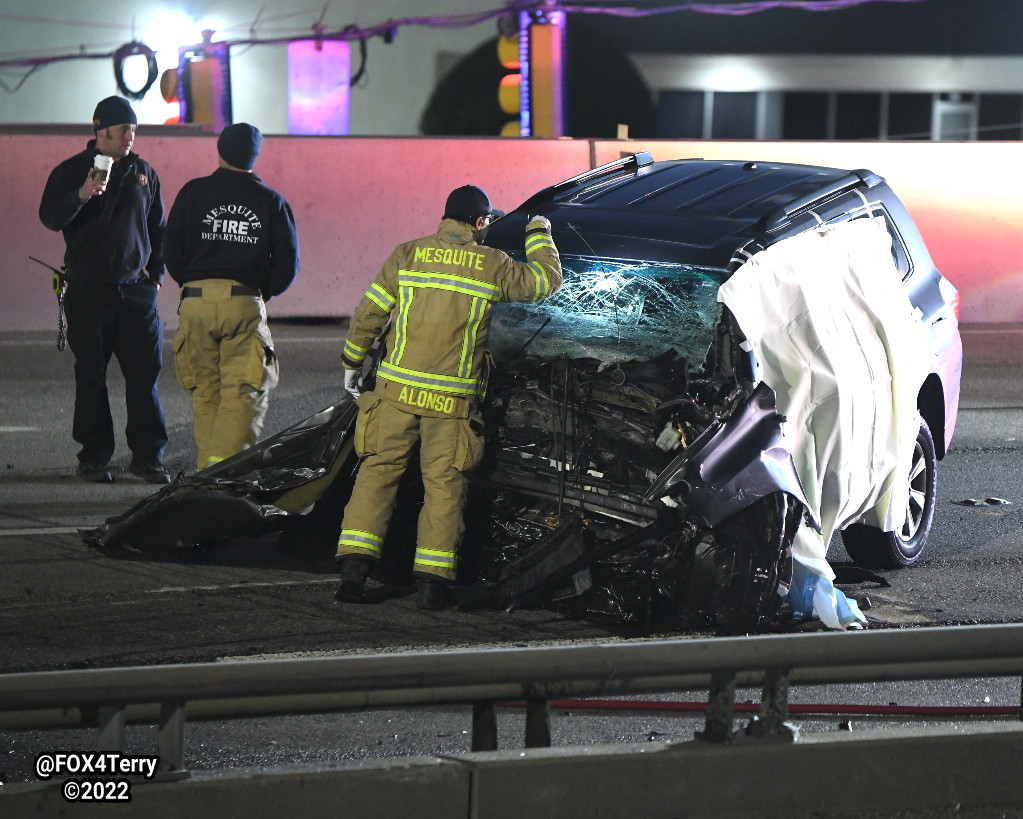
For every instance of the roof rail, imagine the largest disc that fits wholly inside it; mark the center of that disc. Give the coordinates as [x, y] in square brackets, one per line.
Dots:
[636, 161]
[854, 179]
[639, 160]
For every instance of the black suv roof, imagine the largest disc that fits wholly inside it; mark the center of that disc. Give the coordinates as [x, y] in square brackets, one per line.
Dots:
[692, 211]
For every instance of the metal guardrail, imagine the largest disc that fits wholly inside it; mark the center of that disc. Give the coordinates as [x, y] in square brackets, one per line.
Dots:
[108, 698]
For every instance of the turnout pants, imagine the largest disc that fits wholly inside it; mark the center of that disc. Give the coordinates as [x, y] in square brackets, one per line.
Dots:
[224, 357]
[385, 437]
[107, 319]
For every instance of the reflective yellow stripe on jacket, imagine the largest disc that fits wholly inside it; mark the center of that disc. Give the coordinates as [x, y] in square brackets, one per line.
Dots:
[480, 293]
[534, 242]
[438, 293]
[382, 299]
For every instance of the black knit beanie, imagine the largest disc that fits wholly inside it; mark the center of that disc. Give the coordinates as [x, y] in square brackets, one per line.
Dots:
[113, 111]
[239, 144]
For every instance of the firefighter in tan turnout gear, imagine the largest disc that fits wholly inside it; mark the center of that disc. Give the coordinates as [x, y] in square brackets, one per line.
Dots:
[232, 246]
[441, 290]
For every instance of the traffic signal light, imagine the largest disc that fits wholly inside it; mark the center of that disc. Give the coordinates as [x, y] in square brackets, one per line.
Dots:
[509, 92]
[533, 88]
[547, 76]
[204, 83]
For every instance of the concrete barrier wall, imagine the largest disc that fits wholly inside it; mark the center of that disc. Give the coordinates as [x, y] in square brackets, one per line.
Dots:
[966, 198]
[355, 198]
[921, 772]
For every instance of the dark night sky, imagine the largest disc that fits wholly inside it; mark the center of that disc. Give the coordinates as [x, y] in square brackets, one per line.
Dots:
[985, 27]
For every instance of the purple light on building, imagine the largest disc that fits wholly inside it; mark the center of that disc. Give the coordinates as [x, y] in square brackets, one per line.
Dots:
[318, 90]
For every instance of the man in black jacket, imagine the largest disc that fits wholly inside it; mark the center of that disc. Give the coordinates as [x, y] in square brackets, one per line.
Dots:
[231, 245]
[113, 222]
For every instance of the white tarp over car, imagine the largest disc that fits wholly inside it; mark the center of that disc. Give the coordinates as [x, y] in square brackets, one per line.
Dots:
[835, 336]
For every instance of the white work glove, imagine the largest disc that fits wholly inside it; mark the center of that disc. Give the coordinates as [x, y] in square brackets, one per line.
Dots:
[352, 378]
[539, 223]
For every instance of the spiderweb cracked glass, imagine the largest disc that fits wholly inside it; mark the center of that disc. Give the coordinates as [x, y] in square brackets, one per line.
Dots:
[614, 311]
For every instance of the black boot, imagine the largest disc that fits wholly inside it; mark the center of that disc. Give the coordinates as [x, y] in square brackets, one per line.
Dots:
[431, 595]
[354, 571]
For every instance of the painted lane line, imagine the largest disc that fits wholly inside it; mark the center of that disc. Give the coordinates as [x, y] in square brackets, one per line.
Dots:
[20, 429]
[55, 530]
[226, 586]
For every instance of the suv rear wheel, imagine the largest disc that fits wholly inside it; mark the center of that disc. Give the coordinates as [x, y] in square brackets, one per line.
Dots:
[870, 547]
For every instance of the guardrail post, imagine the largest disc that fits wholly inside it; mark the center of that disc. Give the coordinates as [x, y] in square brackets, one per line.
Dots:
[484, 726]
[171, 738]
[720, 708]
[774, 709]
[110, 719]
[538, 723]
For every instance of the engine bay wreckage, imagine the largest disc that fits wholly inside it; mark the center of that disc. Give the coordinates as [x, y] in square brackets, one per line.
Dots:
[668, 445]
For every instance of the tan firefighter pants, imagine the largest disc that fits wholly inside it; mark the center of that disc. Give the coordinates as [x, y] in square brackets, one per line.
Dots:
[224, 356]
[385, 437]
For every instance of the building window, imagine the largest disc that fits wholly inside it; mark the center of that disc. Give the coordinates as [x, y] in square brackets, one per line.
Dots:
[909, 116]
[857, 116]
[680, 114]
[735, 115]
[1000, 116]
[823, 115]
[805, 115]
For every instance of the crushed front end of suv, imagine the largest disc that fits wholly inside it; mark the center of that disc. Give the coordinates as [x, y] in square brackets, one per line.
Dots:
[745, 358]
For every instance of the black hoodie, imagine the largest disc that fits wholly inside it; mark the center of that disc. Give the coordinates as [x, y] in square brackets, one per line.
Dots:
[229, 225]
[114, 236]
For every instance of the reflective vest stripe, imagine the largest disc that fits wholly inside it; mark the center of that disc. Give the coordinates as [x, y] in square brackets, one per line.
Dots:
[445, 281]
[361, 540]
[354, 353]
[401, 325]
[481, 293]
[542, 289]
[472, 326]
[534, 243]
[380, 297]
[435, 557]
[430, 381]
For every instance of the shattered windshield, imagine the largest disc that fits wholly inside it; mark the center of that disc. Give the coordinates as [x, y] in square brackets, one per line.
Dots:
[614, 311]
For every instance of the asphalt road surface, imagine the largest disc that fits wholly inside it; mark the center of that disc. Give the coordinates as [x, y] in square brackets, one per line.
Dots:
[64, 605]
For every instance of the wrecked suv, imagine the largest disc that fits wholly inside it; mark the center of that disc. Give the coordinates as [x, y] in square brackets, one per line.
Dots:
[745, 358]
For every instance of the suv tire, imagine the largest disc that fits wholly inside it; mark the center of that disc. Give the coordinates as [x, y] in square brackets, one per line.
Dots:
[873, 548]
